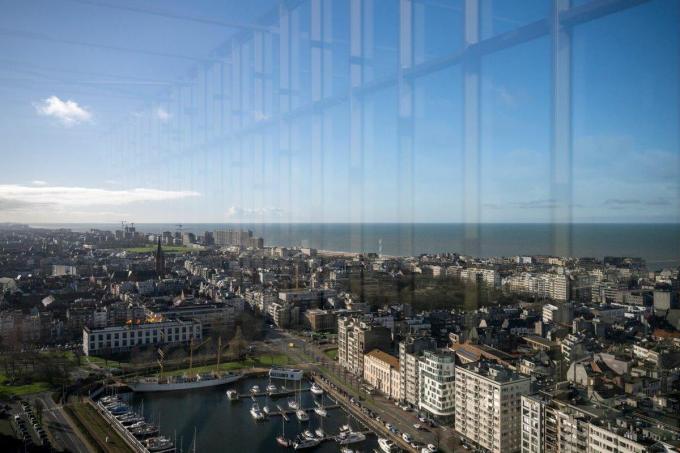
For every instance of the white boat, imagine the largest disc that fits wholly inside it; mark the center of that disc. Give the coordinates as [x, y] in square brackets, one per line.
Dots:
[271, 388]
[345, 428]
[283, 441]
[232, 394]
[154, 384]
[255, 389]
[292, 403]
[350, 437]
[301, 415]
[159, 444]
[256, 412]
[316, 389]
[131, 421]
[301, 443]
[320, 432]
[266, 409]
[320, 411]
[289, 374]
[386, 445]
[308, 434]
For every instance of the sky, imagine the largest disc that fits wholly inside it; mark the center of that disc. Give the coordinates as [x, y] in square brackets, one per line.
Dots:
[162, 111]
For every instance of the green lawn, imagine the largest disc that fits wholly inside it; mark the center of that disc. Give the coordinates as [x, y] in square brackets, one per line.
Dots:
[104, 363]
[7, 390]
[262, 361]
[152, 248]
[331, 353]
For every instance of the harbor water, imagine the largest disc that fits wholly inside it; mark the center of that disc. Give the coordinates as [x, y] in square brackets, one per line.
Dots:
[222, 425]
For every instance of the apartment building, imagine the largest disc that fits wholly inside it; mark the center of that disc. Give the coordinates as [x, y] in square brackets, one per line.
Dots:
[489, 277]
[553, 286]
[356, 338]
[554, 424]
[381, 370]
[125, 337]
[488, 403]
[410, 350]
[437, 385]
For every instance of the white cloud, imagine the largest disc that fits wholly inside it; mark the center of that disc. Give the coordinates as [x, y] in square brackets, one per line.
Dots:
[67, 112]
[38, 182]
[162, 114]
[237, 212]
[57, 196]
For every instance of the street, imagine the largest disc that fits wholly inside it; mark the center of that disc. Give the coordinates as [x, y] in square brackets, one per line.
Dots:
[312, 358]
[58, 426]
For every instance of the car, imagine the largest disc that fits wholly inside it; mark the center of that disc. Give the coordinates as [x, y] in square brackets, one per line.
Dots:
[421, 419]
[432, 448]
[389, 426]
[417, 426]
[405, 408]
[407, 438]
[396, 403]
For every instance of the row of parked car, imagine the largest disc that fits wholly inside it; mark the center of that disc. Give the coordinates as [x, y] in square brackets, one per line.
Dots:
[23, 430]
[391, 428]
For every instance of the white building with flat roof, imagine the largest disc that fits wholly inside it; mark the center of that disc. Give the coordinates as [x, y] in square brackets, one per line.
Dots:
[488, 405]
[123, 338]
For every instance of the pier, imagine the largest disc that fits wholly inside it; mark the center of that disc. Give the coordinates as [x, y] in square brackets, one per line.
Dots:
[285, 412]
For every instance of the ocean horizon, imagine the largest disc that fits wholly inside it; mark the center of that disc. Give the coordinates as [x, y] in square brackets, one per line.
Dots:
[657, 243]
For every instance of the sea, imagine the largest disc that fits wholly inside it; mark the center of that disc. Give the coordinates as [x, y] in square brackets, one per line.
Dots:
[217, 424]
[657, 244]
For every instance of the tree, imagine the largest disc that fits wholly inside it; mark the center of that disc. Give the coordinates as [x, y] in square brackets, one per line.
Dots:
[238, 345]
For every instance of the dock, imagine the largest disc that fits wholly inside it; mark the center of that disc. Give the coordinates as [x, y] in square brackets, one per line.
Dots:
[285, 412]
[271, 395]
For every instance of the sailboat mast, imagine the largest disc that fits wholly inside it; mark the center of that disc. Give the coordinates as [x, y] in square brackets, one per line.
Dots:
[194, 439]
[191, 355]
[219, 354]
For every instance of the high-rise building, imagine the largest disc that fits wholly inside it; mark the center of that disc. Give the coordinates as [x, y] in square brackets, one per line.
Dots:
[436, 371]
[356, 338]
[488, 403]
[410, 350]
[553, 424]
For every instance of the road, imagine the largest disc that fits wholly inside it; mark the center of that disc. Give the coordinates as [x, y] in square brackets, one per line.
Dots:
[313, 358]
[58, 425]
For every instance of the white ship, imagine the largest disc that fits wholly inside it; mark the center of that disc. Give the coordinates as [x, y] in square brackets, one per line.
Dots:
[189, 381]
[316, 389]
[156, 384]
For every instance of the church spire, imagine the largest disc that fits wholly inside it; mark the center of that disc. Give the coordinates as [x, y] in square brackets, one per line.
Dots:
[160, 260]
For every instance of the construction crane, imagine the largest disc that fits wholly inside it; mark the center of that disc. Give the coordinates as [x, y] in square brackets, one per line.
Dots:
[179, 227]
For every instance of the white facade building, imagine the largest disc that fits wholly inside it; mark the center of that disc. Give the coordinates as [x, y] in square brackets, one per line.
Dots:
[488, 398]
[437, 385]
[123, 338]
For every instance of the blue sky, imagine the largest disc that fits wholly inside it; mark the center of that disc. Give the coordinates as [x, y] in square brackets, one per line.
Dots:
[103, 119]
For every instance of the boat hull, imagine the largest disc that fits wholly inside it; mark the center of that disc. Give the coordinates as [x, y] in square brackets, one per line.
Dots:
[141, 386]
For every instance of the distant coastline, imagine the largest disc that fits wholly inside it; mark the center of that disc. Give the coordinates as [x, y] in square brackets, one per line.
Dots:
[658, 244]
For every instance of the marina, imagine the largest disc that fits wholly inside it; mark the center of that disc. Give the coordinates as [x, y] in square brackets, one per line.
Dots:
[219, 417]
